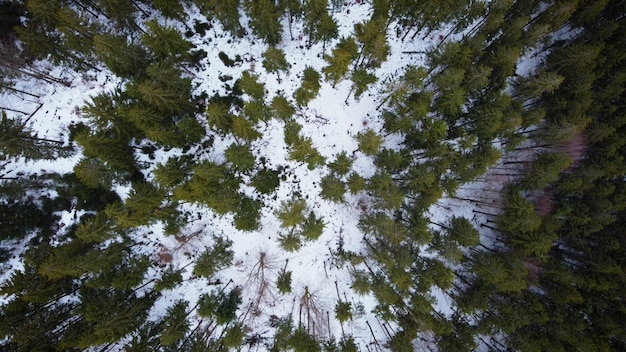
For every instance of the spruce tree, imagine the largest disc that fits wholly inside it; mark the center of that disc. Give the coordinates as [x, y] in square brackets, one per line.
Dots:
[214, 258]
[333, 189]
[369, 142]
[175, 324]
[165, 42]
[240, 157]
[309, 88]
[265, 20]
[274, 61]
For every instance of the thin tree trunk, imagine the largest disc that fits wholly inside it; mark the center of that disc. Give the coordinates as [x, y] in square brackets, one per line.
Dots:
[20, 91]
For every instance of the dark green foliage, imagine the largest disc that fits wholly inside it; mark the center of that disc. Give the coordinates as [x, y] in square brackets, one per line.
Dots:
[234, 336]
[319, 24]
[173, 172]
[93, 173]
[391, 160]
[142, 206]
[165, 42]
[291, 212]
[313, 227]
[343, 311]
[265, 20]
[341, 165]
[175, 324]
[221, 306]
[361, 283]
[309, 88]
[302, 149]
[282, 108]
[240, 156]
[211, 184]
[170, 9]
[214, 258]
[266, 180]
[248, 214]
[169, 280]
[111, 314]
[386, 191]
[301, 341]
[290, 242]
[333, 189]
[226, 12]
[347, 344]
[274, 60]
[249, 84]
[362, 79]
[124, 59]
[369, 142]
[339, 61]
[283, 282]
[374, 47]
[356, 183]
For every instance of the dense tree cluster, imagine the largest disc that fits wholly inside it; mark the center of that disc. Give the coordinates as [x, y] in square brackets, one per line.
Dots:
[540, 267]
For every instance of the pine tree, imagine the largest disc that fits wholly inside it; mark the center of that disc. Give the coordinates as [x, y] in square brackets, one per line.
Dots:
[333, 189]
[309, 88]
[225, 11]
[175, 324]
[386, 192]
[217, 257]
[93, 173]
[119, 10]
[290, 242]
[274, 61]
[244, 129]
[343, 311]
[374, 47]
[96, 229]
[282, 108]
[124, 59]
[318, 24]
[265, 20]
[342, 164]
[291, 213]
[361, 79]
[339, 61]
[369, 142]
[173, 172]
[283, 282]
[165, 42]
[171, 9]
[218, 116]
[211, 184]
[327, 30]
[241, 157]
[248, 214]
[234, 337]
[356, 183]
[266, 180]
[249, 84]
[115, 153]
[111, 314]
[222, 307]
[313, 227]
